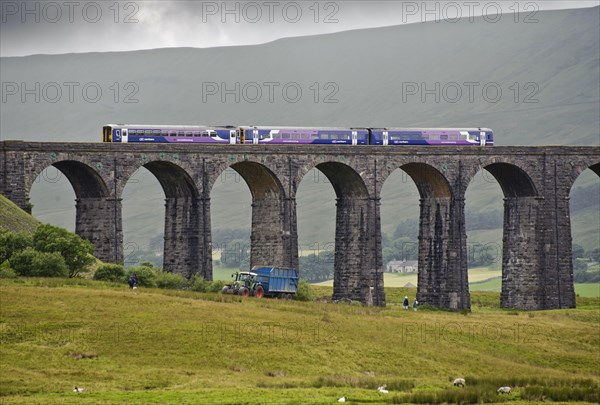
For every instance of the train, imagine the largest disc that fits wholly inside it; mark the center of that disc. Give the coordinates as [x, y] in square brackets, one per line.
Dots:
[256, 135]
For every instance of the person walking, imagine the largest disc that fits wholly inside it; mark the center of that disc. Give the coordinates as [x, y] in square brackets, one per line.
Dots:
[405, 302]
[415, 305]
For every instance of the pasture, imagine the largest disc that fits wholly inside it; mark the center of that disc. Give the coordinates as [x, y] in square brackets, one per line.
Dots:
[166, 346]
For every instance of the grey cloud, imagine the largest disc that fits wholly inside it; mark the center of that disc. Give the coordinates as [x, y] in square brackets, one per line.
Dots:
[30, 27]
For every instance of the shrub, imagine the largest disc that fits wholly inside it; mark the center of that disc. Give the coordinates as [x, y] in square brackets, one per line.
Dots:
[32, 263]
[6, 271]
[199, 284]
[216, 286]
[169, 280]
[304, 292]
[13, 242]
[146, 276]
[77, 252]
[110, 272]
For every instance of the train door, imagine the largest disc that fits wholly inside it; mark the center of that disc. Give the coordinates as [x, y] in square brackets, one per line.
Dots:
[255, 138]
[232, 137]
[482, 138]
[385, 138]
[354, 137]
[124, 135]
[242, 136]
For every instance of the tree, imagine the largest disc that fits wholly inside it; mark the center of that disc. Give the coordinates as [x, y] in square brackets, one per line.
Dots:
[13, 242]
[31, 263]
[594, 254]
[76, 252]
[578, 251]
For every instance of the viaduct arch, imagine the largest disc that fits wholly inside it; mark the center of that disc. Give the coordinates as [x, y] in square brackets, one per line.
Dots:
[536, 181]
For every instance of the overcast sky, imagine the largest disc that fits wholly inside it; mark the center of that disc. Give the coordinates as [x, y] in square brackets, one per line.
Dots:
[55, 27]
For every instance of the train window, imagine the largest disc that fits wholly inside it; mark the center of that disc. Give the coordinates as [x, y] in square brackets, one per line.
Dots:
[305, 136]
[453, 137]
[148, 132]
[444, 137]
[204, 134]
[180, 133]
[188, 134]
[296, 136]
[314, 136]
[285, 135]
[415, 137]
[463, 137]
[173, 134]
[156, 132]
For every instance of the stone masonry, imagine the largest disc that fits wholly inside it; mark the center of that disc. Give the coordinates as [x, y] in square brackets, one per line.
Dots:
[537, 268]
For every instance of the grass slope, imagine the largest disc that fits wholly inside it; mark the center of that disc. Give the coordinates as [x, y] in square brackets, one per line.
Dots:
[14, 219]
[153, 346]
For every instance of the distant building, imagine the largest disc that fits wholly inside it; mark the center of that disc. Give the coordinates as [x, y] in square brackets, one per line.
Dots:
[404, 266]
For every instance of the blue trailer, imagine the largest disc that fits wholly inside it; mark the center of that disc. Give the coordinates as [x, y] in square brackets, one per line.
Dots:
[281, 282]
[277, 281]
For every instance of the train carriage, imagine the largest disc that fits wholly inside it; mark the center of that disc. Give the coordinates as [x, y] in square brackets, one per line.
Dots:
[303, 135]
[432, 136]
[169, 133]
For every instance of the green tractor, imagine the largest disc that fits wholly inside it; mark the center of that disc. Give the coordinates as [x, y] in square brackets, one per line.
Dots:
[245, 284]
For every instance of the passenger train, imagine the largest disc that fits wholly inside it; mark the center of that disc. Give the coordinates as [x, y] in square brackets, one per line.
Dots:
[296, 135]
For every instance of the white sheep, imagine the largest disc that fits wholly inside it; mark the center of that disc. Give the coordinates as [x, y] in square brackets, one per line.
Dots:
[504, 390]
[77, 389]
[459, 381]
[383, 389]
[342, 399]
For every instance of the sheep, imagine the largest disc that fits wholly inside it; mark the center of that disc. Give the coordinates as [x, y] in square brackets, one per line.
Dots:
[382, 389]
[77, 389]
[504, 390]
[459, 381]
[342, 399]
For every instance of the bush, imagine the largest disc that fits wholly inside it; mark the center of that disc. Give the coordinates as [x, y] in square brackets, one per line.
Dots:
[77, 252]
[304, 292]
[13, 242]
[200, 284]
[32, 263]
[216, 286]
[6, 271]
[110, 272]
[145, 275]
[169, 280]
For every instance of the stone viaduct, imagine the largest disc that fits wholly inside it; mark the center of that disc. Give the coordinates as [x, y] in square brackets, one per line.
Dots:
[537, 270]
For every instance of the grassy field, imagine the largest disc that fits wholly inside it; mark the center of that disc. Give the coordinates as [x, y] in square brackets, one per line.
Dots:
[164, 346]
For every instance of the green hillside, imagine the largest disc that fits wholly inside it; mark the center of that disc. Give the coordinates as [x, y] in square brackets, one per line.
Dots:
[547, 71]
[14, 219]
[153, 346]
